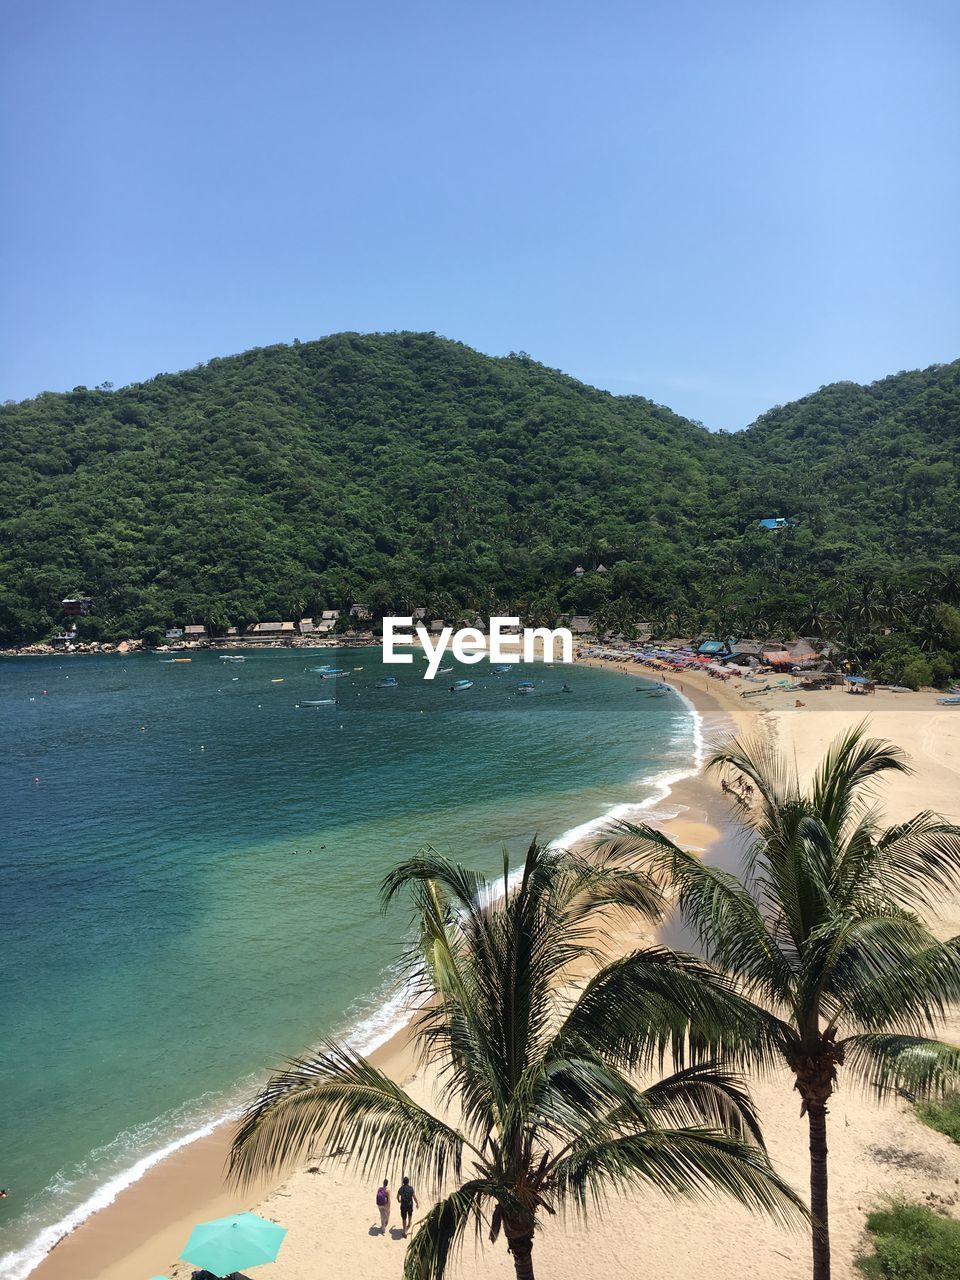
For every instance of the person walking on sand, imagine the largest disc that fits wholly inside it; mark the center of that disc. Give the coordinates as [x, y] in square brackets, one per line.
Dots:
[408, 1200]
[383, 1204]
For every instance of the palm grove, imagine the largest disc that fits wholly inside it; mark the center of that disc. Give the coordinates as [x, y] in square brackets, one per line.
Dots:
[557, 1091]
[403, 470]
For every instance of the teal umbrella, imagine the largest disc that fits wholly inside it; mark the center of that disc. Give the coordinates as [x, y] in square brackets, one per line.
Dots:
[230, 1244]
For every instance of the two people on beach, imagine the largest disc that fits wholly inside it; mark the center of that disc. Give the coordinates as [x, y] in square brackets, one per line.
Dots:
[407, 1199]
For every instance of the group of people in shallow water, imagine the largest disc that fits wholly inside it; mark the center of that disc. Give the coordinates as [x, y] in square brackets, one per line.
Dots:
[741, 790]
[406, 1198]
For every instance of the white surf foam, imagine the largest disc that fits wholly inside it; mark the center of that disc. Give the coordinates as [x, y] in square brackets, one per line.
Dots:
[18, 1263]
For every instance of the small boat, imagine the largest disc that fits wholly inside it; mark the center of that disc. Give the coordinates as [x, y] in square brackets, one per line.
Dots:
[388, 682]
[461, 686]
[526, 686]
[333, 675]
[565, 689]
[232, 657]
[326, 667]
[501, 670]
[318, 702]
[444, 671]
[183, 659]
[277, 680]
[168, 659]
[358, 668]
[949, 702]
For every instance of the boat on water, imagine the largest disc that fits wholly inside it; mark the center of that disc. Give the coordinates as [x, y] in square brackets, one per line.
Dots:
[317, 702]
[232, 657]
[526, 686]
[444, 671]
[565, 689]
[333, 675]
[183, 659]
[277, 680]
[461, 686]
[654, 691]
[501, 670]
[388, 682]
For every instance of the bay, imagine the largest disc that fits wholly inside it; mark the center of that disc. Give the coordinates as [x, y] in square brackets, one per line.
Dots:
[191, 867]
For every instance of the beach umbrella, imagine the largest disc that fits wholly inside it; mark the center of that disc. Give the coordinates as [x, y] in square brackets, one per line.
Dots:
[229, 1244]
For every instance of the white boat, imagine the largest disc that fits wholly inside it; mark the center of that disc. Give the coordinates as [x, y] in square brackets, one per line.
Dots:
[317, 702]
[526, 686]
[461, 686]
[232, 657]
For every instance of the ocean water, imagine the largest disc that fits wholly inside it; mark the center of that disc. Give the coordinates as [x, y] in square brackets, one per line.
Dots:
[191, 866]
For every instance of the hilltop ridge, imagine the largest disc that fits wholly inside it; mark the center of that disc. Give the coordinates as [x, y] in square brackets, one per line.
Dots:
[403, 469]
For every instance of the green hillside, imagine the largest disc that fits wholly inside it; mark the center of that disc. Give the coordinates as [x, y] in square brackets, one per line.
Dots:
[404, 469]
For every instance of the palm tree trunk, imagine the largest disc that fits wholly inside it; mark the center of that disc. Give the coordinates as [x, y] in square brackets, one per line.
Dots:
[522, 1249]
[817, 1119]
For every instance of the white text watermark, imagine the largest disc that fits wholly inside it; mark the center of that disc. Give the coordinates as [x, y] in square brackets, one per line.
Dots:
[504, 644]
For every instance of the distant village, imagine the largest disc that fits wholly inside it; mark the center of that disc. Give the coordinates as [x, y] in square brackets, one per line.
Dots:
[357, 626]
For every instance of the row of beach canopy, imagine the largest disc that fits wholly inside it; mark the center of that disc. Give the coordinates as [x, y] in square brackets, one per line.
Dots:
[228, 1245]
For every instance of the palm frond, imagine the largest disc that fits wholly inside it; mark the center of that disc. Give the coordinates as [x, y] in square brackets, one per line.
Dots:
[439, 1236]
[679, 1162]
[920, 1067]
[338, 1103]
[656, 1003]
[894, 975]
[841, 784]
[918, 861]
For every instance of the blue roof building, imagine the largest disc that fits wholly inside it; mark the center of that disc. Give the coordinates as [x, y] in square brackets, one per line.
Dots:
[774, 523]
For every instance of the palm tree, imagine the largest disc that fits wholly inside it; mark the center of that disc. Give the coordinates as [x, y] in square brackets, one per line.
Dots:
[821, 933]
[550, 1116]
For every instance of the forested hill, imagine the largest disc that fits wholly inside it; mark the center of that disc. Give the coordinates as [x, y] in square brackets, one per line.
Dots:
[404, 469]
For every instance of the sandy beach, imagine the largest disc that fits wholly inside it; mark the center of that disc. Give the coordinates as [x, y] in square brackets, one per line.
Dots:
[875, 1151]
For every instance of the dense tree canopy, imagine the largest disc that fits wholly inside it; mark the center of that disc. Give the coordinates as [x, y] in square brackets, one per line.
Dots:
[403, 469]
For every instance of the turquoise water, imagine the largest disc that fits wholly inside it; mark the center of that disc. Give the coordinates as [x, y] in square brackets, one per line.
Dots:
[164, 945]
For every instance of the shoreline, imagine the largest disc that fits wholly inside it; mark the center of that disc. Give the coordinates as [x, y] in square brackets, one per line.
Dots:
[140, 1227]
[143, 1230]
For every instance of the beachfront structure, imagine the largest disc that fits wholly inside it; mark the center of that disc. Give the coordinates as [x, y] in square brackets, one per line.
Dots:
[330, 615]
[581, 625]
[437, 626]
[360, 613]
[174, 633]
[306, 626]
[774, 523]
[76, 606]
[712, 647]
[194, 632]
[272, 629]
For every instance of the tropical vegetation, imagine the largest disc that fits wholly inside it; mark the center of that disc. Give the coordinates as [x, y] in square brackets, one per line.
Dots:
[912, 1242]
[404, 470]
[543, 1110]
[942, 1115]
[822, 931]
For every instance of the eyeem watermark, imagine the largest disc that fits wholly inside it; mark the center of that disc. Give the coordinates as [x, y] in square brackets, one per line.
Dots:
[470, 645]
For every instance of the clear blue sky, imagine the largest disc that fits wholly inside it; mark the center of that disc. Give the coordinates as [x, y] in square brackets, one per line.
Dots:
[720, 205]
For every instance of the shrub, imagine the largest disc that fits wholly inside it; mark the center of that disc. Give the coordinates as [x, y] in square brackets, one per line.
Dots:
[943, 1116]
[911, 1242]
